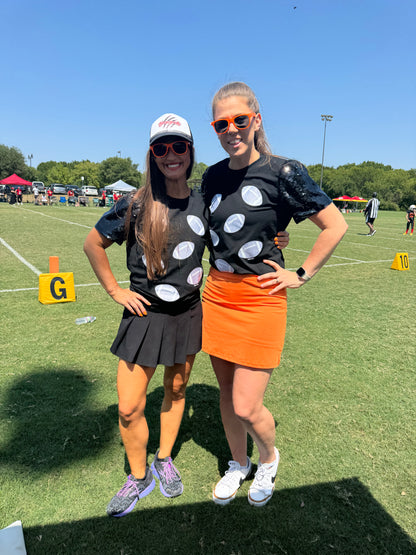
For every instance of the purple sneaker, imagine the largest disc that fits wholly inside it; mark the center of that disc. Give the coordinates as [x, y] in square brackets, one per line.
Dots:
[125, 500]
[168, 476]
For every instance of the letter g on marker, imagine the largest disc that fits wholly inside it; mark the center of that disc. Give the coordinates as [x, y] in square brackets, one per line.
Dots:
[61, 293]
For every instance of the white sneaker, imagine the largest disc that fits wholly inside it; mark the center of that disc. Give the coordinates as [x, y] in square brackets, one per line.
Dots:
[227, 487]
[261, 490]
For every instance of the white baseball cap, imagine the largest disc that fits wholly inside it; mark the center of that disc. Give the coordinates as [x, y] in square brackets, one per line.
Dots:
[170, 125]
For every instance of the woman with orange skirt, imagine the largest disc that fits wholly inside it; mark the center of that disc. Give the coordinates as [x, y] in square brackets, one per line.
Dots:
[250, 194]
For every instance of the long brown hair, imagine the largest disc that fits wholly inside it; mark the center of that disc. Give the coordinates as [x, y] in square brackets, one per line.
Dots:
[238, 88]
[151, 227]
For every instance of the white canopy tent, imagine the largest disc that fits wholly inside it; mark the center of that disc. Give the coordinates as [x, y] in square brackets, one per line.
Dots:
[120, 187]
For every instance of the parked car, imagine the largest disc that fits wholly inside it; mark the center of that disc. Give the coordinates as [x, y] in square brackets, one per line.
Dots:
[75, 188]
[40, 186]
[92, 191]
[58, 189]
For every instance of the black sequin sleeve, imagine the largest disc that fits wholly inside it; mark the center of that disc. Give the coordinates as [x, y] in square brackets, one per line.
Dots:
[301, 192]
[112, 223]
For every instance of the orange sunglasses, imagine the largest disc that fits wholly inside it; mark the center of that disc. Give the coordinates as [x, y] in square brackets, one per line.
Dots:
[242, 121]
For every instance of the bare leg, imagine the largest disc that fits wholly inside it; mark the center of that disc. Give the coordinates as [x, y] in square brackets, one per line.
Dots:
[132, 383]
[235, 431]
[241, 402]
[175, 381]
[371, 227]
[248, 394]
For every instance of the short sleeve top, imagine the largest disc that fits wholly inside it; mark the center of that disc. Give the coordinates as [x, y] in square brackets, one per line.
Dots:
[178, 289]
[248, 207]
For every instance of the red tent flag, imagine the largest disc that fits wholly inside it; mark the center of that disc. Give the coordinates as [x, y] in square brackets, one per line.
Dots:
[15, 180]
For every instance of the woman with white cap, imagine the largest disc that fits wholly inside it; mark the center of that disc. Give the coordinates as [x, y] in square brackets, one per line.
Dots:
[164, 227]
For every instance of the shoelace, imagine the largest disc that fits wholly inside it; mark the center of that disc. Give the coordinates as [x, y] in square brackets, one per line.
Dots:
[229, 476]
[127, 488]
[262, 478]
[169, 471]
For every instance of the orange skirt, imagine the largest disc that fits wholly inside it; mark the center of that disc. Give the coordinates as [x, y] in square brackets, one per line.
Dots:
[241, 322]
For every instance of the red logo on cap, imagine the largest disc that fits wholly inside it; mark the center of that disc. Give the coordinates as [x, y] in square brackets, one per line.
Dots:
[169, 122]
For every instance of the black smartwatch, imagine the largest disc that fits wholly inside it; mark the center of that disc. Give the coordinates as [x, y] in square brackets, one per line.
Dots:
[302, 274]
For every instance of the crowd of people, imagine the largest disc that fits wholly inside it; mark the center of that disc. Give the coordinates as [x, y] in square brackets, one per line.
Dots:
[246, 202]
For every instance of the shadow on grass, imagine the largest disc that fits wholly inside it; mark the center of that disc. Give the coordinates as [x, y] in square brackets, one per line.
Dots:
[53, 423]
[337, 517]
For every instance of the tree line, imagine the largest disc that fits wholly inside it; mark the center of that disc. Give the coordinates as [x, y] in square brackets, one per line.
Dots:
[396, 189]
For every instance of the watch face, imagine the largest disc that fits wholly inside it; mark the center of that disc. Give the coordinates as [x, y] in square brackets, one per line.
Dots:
[301, 272]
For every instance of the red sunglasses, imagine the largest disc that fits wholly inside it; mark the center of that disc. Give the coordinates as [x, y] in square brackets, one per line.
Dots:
[241, 121]
[160, 150]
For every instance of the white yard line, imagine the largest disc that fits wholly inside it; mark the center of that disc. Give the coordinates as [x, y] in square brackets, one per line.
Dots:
[19, 257]
[55, 218]
[333, 256]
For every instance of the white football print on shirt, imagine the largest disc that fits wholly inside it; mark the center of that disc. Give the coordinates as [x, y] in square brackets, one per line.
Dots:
[216, 199]
[251, 195]
[234, 223]
[183, 250]
[250, 250]
[167, 292]
[223, 266]
[196, 225]
[214, 237]
[195, 276]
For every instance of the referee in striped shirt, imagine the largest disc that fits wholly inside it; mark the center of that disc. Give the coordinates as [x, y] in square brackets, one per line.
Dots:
[371, 211]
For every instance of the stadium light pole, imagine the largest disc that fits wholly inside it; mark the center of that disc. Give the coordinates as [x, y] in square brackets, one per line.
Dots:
[29, 157]
[324, 117]
[119, 153]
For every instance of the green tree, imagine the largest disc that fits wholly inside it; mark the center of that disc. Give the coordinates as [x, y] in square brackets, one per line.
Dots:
[11, 161]
[60, 173]
[88, 170]
[114, 168]
[43, 169]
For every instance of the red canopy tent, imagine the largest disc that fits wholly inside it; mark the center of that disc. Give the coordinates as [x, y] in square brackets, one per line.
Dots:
[15, 180]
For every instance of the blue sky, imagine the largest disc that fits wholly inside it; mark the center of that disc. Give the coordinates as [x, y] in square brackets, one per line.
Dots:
[85, 79]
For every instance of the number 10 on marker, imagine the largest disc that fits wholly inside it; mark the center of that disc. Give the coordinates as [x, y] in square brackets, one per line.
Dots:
[401, 261]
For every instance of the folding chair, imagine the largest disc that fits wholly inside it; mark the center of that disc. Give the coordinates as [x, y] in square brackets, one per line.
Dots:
[62, 200]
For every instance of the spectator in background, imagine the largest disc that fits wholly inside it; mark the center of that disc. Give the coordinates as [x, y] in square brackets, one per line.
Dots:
[50, 193]
[35, 193]
[410, 219]
[19, 195]
[371, 211]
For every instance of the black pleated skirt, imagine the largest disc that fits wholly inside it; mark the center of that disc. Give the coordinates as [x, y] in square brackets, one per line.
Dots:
[159, 338]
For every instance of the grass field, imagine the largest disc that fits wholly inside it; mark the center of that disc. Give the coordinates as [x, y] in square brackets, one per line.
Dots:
[343, 399]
